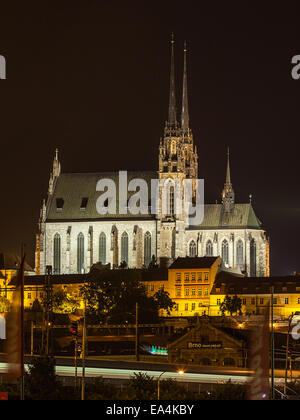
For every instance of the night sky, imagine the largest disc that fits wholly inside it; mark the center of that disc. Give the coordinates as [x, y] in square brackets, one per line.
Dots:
[92, 78]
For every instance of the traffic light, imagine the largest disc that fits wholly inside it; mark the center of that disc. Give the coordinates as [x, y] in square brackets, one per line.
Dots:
[74, 329]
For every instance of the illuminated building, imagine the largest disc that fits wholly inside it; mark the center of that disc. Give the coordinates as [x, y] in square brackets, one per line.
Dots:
[72, 236]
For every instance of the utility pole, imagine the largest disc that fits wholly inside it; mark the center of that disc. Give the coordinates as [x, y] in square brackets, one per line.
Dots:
[137, 355]
[75, 362]
[31, 340]
[83, 352]
[22, 391]
[49, 305]
[273, 344]
[287, 353]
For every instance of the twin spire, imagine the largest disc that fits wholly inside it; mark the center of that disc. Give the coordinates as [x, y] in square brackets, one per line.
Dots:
[172, 119]
[228, 192]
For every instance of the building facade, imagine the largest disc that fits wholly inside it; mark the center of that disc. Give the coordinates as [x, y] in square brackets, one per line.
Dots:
[73, 236]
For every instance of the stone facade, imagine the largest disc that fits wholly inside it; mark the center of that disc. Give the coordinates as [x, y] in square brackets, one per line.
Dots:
[70, 228]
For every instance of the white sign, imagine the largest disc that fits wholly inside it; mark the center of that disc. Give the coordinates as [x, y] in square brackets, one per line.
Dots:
[2, 67]
[2, 328]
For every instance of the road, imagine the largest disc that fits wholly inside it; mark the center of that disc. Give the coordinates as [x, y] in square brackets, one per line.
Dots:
[118, 369]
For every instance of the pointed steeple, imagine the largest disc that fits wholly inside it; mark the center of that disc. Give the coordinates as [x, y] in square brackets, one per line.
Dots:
[172, 122]
[56, 165]
[185, 104]
[228, 193]
[228, 180]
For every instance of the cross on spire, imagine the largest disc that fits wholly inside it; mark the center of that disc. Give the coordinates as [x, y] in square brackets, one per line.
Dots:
[172, 98]
[185, 103]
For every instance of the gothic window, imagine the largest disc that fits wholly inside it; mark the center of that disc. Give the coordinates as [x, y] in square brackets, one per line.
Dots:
[172, 211]
[56, 253]
[209, 249]
[69, 238]
[80, 253]
[225, 256]
[240, 254]
[193, 249]
[102, 248]
[252, 258]
[147, 249]
[124, 248]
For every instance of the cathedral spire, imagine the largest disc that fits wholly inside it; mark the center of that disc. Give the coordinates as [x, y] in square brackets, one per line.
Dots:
[228, 180]
[172, 99]
[185, 104]
[228, 193]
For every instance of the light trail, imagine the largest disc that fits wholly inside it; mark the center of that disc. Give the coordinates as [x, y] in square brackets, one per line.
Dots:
[126, 374]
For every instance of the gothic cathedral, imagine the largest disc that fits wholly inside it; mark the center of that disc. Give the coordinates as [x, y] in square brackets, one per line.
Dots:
[73, 236]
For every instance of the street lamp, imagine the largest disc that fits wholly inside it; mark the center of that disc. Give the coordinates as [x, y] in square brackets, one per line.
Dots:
[287, 351]
[180, 372]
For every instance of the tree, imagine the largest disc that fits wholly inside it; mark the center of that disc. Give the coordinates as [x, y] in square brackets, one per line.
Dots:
[99, 389]
[229, 391]
[231, 305]
[63, 303]
[112, 296]
[164, 301]
[36, 306]
[41, 381]
[142, 387]
[4, 304]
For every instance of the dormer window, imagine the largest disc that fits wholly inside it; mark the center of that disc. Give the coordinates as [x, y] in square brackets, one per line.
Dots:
[59, 204]
[84, 203]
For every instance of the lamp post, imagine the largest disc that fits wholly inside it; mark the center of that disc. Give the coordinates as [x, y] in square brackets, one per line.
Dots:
[180, 372]
[287, 352]
[158, 382]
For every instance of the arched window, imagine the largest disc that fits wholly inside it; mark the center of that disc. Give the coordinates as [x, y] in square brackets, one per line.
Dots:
[240, 254]
[172, 210]
[124, 248]
[209, 248]
[102, 248]
[252, 258]
[56, 254]
[225, 256]
[80, 253]
[193, 249]
[147, 249]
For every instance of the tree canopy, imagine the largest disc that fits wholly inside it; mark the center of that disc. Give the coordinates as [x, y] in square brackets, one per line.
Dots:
[233, 305]
[112, 297]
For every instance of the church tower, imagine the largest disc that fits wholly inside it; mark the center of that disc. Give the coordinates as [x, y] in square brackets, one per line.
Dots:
[178, 161]
[228, 193]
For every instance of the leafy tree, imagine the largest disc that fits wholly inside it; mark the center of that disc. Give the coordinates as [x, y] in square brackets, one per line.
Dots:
[99, 389]
[36, 306]
[41, 382]
[164, 301]
[4, 304]
[64, 303]
[112, 296]
[172, 390]
[231, 305]
[141, 387]
[229, 391]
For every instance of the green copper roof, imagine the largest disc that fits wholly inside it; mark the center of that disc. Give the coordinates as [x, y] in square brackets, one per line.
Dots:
[73, 189]
[242, 216]
[75, 198]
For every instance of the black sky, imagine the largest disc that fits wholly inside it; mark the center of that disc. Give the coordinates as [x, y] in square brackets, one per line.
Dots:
[91, 78]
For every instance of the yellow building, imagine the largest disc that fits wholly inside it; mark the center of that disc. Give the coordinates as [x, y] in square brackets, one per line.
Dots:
[9, 266]
[255, 293]
[190, 281]
[35, 287]
[197, 286]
